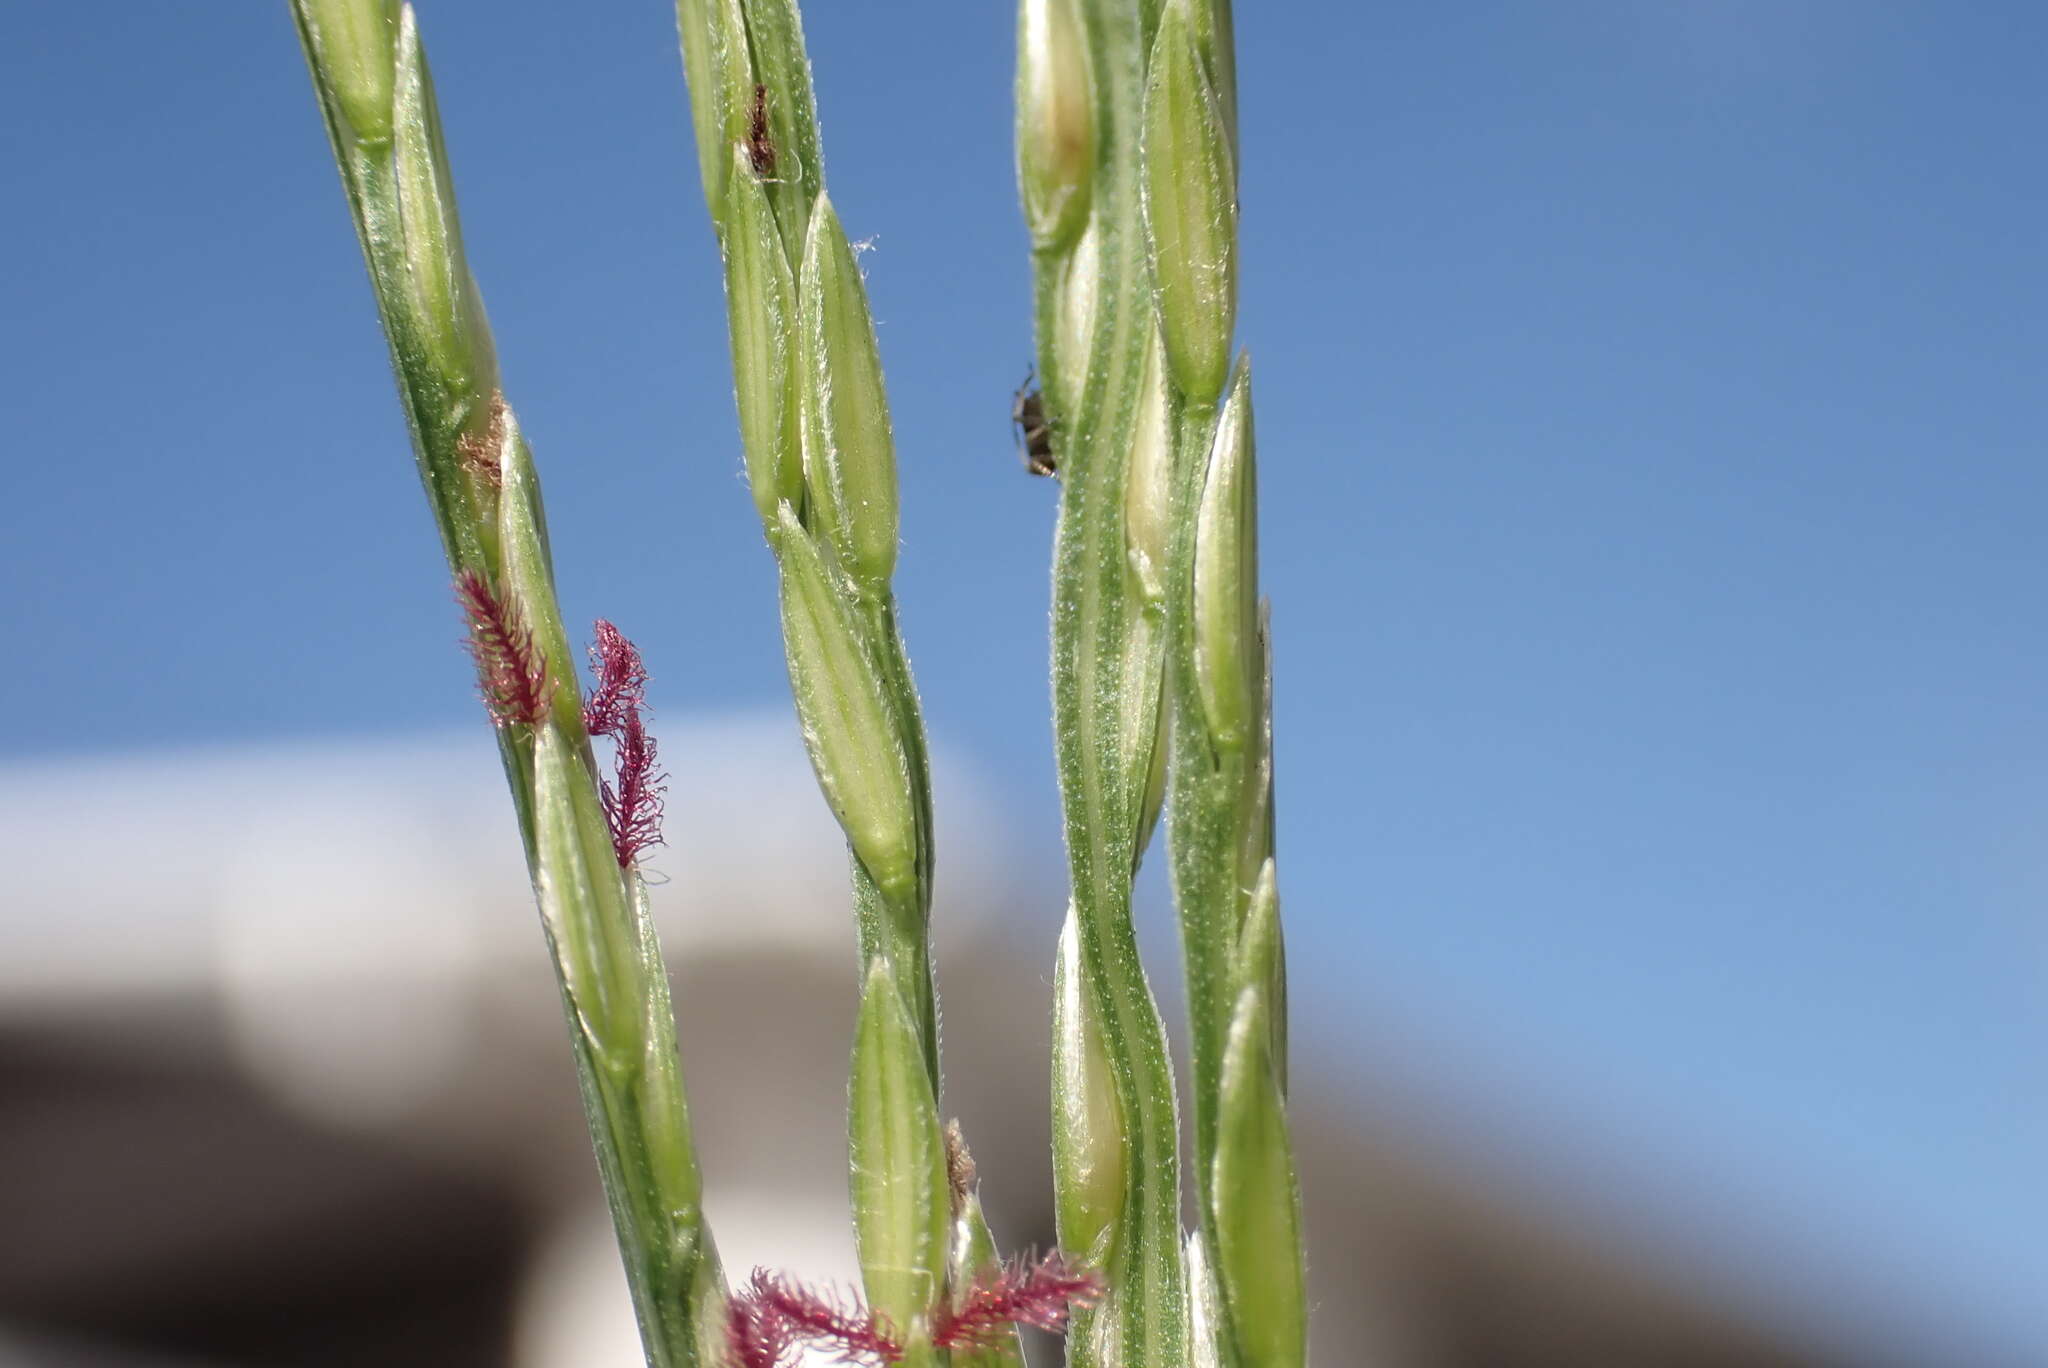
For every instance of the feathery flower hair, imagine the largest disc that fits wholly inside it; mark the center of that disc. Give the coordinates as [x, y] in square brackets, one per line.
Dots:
[617, 709]
[769, 1320]
[1016, 1293]
[512, 674]
[766, 1322]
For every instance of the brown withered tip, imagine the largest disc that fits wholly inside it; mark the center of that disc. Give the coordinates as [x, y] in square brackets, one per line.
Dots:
[477, 452]
[960, 1175]
[760, 146]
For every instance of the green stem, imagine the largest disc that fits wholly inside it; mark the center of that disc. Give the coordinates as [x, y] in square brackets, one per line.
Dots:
[1106, 678]
[367, 66]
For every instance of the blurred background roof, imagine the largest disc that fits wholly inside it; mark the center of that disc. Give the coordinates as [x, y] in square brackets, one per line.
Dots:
[1649, 408]
[284, 1086]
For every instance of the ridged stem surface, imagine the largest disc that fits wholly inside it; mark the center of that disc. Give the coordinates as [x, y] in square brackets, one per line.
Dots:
[1094, 325]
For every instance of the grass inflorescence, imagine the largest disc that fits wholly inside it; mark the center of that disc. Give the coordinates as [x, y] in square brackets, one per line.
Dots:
[1162, 691]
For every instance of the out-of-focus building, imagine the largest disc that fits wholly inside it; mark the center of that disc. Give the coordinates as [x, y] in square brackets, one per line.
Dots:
[282, 1082]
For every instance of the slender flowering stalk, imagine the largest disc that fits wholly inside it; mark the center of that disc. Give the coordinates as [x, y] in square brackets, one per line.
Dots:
[819, 453]
[1080, 82]
[1156, 584]
[1252, 1304]
[584, 835]
[820, 458]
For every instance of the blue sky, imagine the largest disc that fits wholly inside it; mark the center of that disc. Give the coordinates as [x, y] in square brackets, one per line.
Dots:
[1649, 404]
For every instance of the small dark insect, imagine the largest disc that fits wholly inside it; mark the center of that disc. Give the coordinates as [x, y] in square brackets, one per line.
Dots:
[1034, 430]
[760, 147]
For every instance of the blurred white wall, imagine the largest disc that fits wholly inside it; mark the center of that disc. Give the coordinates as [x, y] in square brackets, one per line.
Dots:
[355, 919]
[346, 925]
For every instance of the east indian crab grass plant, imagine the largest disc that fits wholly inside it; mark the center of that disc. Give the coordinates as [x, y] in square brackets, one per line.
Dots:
[584, 832]
[1126, 152]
